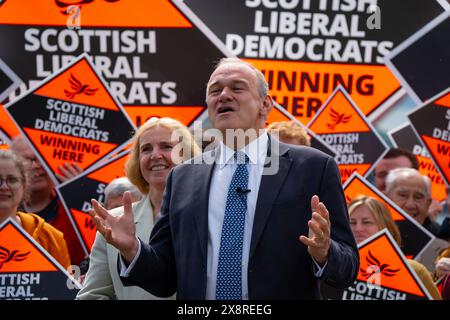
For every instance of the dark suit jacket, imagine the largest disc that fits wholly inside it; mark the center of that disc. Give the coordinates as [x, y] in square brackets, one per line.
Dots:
[280, 266]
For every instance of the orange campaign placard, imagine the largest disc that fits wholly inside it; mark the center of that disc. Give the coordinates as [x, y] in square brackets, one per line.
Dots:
[415, 238]
[73, 118]
[303, 87]
[431, 122]
[306, 49]
[185, 114]
[344, 127]
[29, 272]
[405, 137]
[154, 57]
[74, 14]
[384, 274]
[93, 183]
[279, 114]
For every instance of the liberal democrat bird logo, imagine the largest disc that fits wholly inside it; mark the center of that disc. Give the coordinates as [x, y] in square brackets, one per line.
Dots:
[78, 88]
[337, 119]
[8, 256]
[375, 267]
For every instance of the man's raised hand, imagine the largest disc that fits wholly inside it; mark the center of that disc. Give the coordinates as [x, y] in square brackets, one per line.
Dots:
[319, 234]
[118, 231]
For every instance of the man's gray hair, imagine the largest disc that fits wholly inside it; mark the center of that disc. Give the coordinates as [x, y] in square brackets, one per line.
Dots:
[117, 187]
[398, 173]
[263, 87]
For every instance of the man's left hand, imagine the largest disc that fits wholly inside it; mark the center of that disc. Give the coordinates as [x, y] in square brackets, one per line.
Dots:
[318, 240]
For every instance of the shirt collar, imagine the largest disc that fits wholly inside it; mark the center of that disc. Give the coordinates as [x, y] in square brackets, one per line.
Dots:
[256, 151]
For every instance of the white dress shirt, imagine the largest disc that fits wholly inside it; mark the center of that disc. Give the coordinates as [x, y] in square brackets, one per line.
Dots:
[218, 192]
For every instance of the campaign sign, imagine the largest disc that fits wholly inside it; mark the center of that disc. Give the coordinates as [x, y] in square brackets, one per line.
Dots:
[384, 274]
[421, 62]
[431, 122]
[415, 238]
[72, 117]
[9, 81]
[153, 56]
[428, 256]
[405, 137]
[307, 48]
[279, 114]
[341, 124]
[76, 195]
[28, 271]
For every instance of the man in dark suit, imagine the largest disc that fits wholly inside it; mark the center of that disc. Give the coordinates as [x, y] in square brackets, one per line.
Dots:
[294, 229]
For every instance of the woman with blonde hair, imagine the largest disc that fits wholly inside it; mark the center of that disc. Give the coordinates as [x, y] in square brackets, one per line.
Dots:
[367, 217]
[158, 145]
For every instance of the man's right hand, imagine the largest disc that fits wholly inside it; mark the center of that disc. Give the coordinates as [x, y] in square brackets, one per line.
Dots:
[117, 231]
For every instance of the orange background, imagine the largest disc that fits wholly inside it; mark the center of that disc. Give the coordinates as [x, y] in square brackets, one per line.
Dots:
[122, 13]
[385, 84]
[12, 239]
[384, 251]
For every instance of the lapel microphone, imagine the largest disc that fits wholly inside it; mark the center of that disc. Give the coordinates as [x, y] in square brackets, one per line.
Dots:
[242, 192]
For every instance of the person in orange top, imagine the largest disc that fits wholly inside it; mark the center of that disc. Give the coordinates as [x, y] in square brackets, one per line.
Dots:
[14, 181]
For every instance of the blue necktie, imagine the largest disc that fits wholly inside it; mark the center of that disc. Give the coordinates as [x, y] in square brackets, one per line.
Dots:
[229, 269]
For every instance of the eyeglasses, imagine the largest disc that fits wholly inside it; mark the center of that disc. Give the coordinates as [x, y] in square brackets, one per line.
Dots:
[11, 182]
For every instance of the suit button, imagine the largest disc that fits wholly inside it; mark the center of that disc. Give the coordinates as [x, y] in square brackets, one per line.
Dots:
[250, 270]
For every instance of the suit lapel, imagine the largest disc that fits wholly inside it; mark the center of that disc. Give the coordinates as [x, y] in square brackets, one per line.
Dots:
[269, 188]
[202, 180]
